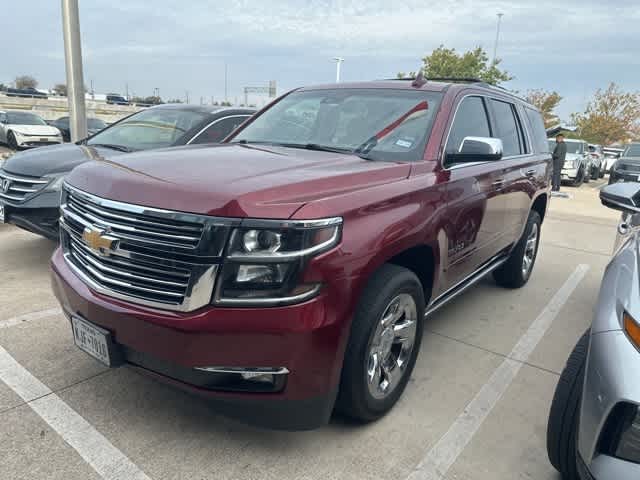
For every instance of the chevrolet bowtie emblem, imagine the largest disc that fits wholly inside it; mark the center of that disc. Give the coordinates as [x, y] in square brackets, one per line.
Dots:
[98, 241]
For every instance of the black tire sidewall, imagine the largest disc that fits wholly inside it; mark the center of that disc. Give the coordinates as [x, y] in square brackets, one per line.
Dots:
[510, 273]
[11, 141]
[354, 398]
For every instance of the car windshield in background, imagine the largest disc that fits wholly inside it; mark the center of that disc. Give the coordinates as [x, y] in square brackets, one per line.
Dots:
[23, 118]
[386, 125]
[574, 147]
[632, 150]
[153, 128]
[95, 124]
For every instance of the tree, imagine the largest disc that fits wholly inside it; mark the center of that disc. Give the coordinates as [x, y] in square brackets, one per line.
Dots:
[151, 100]
[26, 81]
[60, 89]
[3, 87]
[547, 103]
[447, 63]
[611, 116]
[174, 100]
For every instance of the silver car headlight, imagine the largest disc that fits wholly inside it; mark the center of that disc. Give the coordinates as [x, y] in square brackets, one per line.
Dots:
[55, 185]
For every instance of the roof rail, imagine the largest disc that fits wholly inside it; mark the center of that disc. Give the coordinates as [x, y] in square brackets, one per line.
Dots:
[441, 79]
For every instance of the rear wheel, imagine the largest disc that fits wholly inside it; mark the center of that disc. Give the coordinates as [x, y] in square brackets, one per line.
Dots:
[602, 172]
[383, 346]
[562, 426]
[515, 272]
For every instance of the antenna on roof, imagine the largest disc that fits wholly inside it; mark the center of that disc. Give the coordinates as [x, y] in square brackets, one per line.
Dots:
[419, 81]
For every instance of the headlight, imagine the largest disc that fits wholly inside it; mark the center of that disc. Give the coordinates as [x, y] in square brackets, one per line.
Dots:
[56, 183]
[265, 260]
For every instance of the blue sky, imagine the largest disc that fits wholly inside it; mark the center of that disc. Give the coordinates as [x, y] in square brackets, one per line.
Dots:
[573, 46]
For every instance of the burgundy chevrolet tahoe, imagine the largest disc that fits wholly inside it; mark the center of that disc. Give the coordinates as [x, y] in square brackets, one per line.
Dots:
[288, 272]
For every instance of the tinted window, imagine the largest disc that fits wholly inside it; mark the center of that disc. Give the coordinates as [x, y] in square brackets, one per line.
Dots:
[220, 129]
[574, 147]
[381, 124]
[23, 118]
[538, 132]
[470, 121]
[507, 127]
[633, 150]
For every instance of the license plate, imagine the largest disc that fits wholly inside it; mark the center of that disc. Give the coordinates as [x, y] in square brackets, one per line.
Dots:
[1, 214]
[91, 339]
[44, 139]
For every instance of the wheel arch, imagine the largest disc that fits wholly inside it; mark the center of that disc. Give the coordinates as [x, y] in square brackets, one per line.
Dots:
[540, 204]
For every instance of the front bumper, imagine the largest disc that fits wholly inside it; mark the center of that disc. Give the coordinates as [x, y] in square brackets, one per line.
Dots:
[611, 377]
[307, 339]
[30, 141]
[38, 215]
[569, 174]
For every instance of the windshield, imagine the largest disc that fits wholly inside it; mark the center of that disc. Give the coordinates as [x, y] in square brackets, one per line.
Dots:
[24, 118]
[95, 124]
[387, 125]
[632, 150]
[152, 128]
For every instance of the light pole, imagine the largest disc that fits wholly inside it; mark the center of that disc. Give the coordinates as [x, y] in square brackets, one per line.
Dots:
[495, 45]
[73, 64]
[338, 61]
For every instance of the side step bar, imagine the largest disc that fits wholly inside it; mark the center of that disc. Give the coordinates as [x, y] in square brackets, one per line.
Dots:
[466, 283]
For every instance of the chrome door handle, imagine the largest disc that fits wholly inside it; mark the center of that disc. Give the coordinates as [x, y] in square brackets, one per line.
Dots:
[498, 183]
[530, 173]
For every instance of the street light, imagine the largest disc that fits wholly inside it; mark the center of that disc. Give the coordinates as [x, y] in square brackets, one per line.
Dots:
[73, 63]
[495, 45]
[338, 61]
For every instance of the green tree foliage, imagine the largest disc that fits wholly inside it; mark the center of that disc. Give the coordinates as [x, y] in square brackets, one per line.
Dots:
[547, 102]
[611, 116]
[448, 63]
[26, 81]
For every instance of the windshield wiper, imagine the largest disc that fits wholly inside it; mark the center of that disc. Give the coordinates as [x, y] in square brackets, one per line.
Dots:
[120, 148]
[316, 147]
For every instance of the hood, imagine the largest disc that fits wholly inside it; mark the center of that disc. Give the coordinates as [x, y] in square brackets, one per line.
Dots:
[54, 159]
[44, 130]
[232, 180]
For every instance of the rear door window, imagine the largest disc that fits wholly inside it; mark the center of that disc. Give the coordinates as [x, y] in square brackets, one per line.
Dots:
[471, 120]
[507, 128]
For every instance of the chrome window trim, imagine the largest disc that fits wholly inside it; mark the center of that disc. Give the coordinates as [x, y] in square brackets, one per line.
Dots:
[217, 120]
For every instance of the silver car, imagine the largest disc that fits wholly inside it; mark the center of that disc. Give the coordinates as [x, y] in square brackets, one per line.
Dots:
[594, 423]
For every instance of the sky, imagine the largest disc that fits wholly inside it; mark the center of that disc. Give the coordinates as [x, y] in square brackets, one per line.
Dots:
[574, 47]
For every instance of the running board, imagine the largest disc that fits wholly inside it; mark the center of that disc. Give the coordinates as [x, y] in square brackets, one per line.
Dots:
[468, 282]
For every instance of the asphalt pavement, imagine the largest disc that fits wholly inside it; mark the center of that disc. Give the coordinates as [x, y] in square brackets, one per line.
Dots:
[476, 406]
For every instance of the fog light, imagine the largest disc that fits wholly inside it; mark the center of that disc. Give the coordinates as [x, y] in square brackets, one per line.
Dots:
[629, 443]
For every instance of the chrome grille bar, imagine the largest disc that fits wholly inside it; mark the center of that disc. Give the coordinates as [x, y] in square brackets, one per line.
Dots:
[21, 187]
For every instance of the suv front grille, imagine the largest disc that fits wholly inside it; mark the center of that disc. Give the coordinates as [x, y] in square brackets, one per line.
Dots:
[153, 257]
[17, 188]
[630, 167]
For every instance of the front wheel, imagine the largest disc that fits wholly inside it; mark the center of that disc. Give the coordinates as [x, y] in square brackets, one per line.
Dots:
[562, 426]
[579, 178]
[516, 271]
[383, 346]
[11, 141]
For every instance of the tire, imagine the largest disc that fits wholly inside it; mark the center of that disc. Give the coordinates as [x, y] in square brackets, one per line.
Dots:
[562, 426]
[602, 172]
[512, 273]
[11, 141]
[579, 178]
[355, 399]
[587, 175]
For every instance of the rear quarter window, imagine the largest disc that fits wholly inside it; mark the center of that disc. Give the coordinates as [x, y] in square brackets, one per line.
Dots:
[538, 132]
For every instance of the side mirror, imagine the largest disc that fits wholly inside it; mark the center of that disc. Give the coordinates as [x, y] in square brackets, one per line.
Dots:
[623, 196]
[477, 149]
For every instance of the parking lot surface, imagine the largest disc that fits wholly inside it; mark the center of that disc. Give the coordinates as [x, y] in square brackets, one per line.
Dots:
[476, 406]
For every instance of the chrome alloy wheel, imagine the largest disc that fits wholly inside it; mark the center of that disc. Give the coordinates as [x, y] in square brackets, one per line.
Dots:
[391, 346]
[530, 251]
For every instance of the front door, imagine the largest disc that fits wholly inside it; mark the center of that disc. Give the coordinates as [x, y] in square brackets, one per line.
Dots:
[475, 206]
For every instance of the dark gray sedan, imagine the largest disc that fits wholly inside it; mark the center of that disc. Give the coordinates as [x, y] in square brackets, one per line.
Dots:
[30, 181]
[594, 423]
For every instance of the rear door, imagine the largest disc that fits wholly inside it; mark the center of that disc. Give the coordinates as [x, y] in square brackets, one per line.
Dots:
[475, 213]
[521, 169]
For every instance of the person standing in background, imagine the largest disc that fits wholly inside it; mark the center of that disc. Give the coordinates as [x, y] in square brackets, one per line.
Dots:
[559, 154]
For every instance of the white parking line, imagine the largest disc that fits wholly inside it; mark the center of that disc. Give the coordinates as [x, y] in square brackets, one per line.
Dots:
[27, 317]
[109, 462]
[438, 460]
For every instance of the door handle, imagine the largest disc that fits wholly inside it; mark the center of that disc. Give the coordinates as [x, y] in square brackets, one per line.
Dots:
[530, 173]
[498, 183]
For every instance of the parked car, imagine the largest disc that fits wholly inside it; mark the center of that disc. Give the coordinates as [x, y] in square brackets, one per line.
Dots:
[28, 92]
[597, 157]
[594, 423]
[288, 270]
[611, 156]
[115, 99]
[627, 168]
[577, 165]
[94, 125]
[31, 198]
[20, 129]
